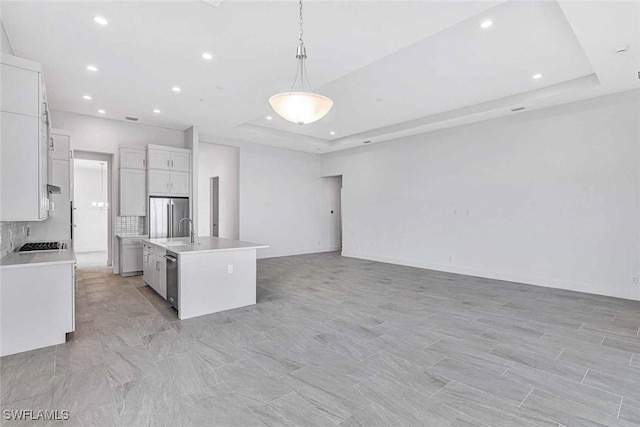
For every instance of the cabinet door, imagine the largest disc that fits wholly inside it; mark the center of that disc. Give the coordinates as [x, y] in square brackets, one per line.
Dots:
[20, 90]
[131, 258]
[132, 158]
[162, 276]
[180, 183]
[180, 161]
[159, 182]
[133, 192]
[20, 169]
[159, 159]
[59, 147]
[146, 263]
[43, 164]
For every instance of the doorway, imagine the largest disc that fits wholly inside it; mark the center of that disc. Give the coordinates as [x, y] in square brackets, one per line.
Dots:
[333, 196]
[215, 206]
[92, 209]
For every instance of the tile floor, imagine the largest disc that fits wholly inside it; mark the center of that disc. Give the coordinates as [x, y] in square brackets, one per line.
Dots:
[338, 341]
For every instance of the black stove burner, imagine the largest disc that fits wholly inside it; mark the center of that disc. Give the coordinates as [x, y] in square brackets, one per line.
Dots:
[43, 246]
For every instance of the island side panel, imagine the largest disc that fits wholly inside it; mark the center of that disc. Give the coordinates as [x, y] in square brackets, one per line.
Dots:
[205, 285]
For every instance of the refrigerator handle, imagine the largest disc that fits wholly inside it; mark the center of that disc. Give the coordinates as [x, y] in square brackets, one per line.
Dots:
[172, 233]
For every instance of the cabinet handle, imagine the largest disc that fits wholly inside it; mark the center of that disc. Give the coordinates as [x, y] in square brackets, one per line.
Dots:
[171, 163]
[144, 162]
[51, 146]
[168, 163]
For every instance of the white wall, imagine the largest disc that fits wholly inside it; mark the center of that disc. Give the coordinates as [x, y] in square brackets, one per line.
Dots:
[282, 201]
[219, 161]
[548, 197]
[91, 185]
[5, 43]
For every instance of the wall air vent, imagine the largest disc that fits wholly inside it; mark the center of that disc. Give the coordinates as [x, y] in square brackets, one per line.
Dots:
[131, 119]
[517, 109]
[366, 142]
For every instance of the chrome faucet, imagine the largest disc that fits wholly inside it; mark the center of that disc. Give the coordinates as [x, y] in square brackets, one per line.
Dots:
[193, 230]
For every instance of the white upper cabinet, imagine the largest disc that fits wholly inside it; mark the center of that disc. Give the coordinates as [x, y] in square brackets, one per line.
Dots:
[133, 192]
[159, 159]
[179, 184]
[59, 147]
[180, 161]
[167, 158]
[133, 158]
[159, 182]
[24, 142]
[21, 87]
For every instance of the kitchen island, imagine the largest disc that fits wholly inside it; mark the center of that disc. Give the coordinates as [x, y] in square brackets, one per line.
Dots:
[207, 276]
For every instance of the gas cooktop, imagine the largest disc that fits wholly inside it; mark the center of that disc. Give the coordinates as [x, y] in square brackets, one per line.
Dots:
[43, 247]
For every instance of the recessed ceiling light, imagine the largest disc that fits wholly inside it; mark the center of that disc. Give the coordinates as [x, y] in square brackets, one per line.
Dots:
[176, 89]
[536, 76]
[332, 133]
[269, 118]
[486, 24]
[156, 110]
[86, 97]
[622, 49]
[92, 67]
[100, 20]
[101, 111]
[207, 56]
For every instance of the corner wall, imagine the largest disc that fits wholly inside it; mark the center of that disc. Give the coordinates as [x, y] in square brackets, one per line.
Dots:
[548, 197]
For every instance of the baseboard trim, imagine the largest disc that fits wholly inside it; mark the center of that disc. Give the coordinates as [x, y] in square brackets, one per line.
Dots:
[589, 288]
[297, 252]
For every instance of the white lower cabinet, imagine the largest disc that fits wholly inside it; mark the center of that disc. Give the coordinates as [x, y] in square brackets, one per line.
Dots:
[155, 269]
[131, 256]
[36, 306]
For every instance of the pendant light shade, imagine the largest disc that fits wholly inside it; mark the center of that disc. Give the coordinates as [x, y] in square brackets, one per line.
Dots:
[301, 107]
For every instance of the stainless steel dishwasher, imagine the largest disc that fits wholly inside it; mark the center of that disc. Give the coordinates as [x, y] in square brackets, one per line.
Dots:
[172, 279]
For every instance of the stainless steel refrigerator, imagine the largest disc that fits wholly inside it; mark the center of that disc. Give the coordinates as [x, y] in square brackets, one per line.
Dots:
[165, 214]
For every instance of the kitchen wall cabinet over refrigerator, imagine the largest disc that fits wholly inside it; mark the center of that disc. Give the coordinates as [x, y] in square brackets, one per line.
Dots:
[133, 182]
[168, 171]
[25, 142]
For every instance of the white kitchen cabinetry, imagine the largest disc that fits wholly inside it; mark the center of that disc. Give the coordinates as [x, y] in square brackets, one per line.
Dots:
[37, 305]
[179, 184]
[132, 158]
[159, 182]
[133, 182]
[155, 268]
[59, 146]
[133, 192]
[25, 142]
[168, 158]
[131, 256]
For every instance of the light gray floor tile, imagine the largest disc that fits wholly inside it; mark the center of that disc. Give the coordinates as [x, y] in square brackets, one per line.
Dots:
[40, 402]
[567, 412]
[487, 409]
[256, 385]
[292, 410]
[359, 309]
[333, 396]
[496, 385]
[82, 390]
[371, 416]
[410, 375]
[100, 417]
[630, 410]
[591, 397]
[538, 361]
[128, 364]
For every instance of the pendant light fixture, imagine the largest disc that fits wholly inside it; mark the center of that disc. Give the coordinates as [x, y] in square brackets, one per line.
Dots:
[299, 105]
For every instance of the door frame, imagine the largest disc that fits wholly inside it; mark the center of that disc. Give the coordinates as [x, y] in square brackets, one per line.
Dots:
[108, 158]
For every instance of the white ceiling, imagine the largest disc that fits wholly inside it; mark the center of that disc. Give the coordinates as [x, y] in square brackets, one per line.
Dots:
[392, 68]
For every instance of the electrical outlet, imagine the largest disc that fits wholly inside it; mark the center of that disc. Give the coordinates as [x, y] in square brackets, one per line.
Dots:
[450, 258]
[230, 268]
[635, 279]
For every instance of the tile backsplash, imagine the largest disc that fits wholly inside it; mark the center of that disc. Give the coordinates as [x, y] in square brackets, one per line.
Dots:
[130, 225]
[12, 236]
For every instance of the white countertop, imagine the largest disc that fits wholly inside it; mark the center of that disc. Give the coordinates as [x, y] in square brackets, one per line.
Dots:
[132, 236]
[16, 259]
[181, 245]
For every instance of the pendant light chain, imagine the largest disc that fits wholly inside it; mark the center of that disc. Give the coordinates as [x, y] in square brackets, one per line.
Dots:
[300, 38]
